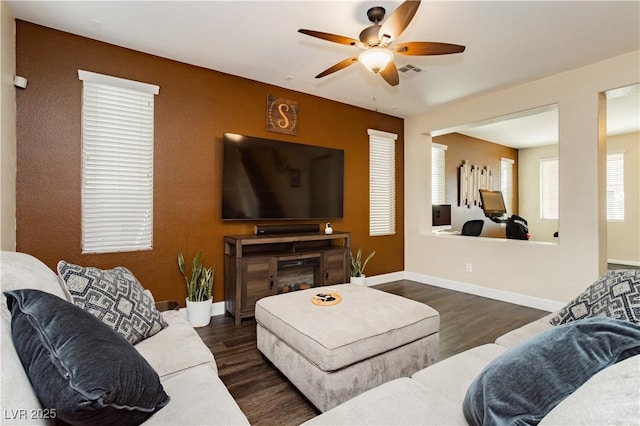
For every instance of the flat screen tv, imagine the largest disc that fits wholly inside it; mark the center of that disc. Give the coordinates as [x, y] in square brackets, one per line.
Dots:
[492, 203]
[269, 179]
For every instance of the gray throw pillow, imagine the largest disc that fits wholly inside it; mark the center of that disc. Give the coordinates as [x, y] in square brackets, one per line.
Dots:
[82, 371]
[616, 294]
[525, 383]
[115, 297]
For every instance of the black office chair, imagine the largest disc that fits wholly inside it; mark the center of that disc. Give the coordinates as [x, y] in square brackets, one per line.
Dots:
[472, 228]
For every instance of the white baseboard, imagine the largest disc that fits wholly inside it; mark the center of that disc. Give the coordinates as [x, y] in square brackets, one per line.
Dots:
[624, 262]
[501, 295]
[384, 278]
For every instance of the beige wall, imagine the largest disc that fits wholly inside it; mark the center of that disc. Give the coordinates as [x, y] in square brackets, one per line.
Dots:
[8, 129]
[623, 245]
[538, 273]
[529, 173]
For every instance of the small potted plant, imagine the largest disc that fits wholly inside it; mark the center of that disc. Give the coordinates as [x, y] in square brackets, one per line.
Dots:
[357, 267]
[199, 289]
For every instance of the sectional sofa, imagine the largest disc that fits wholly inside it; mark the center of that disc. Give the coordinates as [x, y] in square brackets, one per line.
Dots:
[185, 367]
[436, 395]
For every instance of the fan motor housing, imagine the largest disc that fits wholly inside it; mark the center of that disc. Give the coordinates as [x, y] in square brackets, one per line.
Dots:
[369, 36]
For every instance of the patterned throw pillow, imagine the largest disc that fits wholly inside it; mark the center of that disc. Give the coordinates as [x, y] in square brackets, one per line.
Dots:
[114, 296]
[616, 294]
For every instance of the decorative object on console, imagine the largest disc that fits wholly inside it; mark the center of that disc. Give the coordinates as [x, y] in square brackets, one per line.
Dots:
[282, 115]
[82, 371]
[357, 266]
[328, 229]
[616, 294]
[199, 289]
[115, 297]
[472, 179]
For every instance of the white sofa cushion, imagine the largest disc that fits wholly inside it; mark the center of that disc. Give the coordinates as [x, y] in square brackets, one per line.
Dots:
[451, 377]
[519, 335]
[17, 271]
[176, 348]
[198, 397]
[366, 323]
[21, 270]
[611, 397]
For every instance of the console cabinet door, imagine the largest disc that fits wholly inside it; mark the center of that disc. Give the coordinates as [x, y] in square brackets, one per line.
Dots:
[258, 281]
[336, 267]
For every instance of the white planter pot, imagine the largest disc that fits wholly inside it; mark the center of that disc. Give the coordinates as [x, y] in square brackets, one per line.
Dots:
[358, 280]
[199, 313]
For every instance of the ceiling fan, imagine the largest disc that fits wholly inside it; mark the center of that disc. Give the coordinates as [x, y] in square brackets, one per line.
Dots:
[377, 39]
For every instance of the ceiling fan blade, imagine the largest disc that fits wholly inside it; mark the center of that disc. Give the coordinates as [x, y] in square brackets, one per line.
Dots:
[398, 21]
[337, 67]
[331, 37]
[423, 48]
[390, 74]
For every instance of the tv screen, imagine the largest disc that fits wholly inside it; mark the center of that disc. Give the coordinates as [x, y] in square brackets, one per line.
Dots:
[269, 179]
[492, 203]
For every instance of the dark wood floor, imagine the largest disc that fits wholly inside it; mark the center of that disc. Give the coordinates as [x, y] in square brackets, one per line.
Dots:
[266, 396]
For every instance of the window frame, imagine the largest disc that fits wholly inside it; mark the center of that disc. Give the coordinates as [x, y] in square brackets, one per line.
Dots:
[382, 183]
[549, 190]
[117, 164]
[438, 175]
[615, 187]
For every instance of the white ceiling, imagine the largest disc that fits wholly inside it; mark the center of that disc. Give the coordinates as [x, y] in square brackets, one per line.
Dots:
[507, 42]
[540, 126]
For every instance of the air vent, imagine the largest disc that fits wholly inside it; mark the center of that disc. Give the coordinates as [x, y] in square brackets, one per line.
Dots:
[409, 71]
[407, 68]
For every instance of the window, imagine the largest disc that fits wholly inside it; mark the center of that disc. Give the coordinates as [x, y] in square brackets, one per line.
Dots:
[506, 182]
[549, 188]
[382, 183]
[438, 191]
[615, 186]
[117, 164]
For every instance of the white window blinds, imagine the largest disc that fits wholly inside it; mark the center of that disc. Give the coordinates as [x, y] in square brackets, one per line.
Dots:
[506, 182]
[117, 164]
[615, 186]
[438, 191]
[549, 188]
[382, 183]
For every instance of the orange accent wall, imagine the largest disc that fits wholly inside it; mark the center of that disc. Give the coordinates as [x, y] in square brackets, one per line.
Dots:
[476, 152]
[194, 108]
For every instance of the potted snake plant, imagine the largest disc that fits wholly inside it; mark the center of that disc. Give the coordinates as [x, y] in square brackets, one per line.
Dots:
[357, 266]
[199, 288]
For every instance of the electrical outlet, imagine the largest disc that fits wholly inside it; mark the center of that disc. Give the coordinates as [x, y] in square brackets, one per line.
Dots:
[469, 267]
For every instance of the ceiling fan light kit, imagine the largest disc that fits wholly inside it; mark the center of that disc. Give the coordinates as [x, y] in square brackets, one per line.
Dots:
[376, 40]
[375, 59]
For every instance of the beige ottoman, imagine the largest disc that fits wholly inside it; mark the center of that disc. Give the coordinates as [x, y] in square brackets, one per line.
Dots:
[333, 353]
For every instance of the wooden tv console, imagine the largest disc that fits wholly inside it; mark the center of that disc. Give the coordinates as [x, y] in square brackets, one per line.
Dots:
[259, 266]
